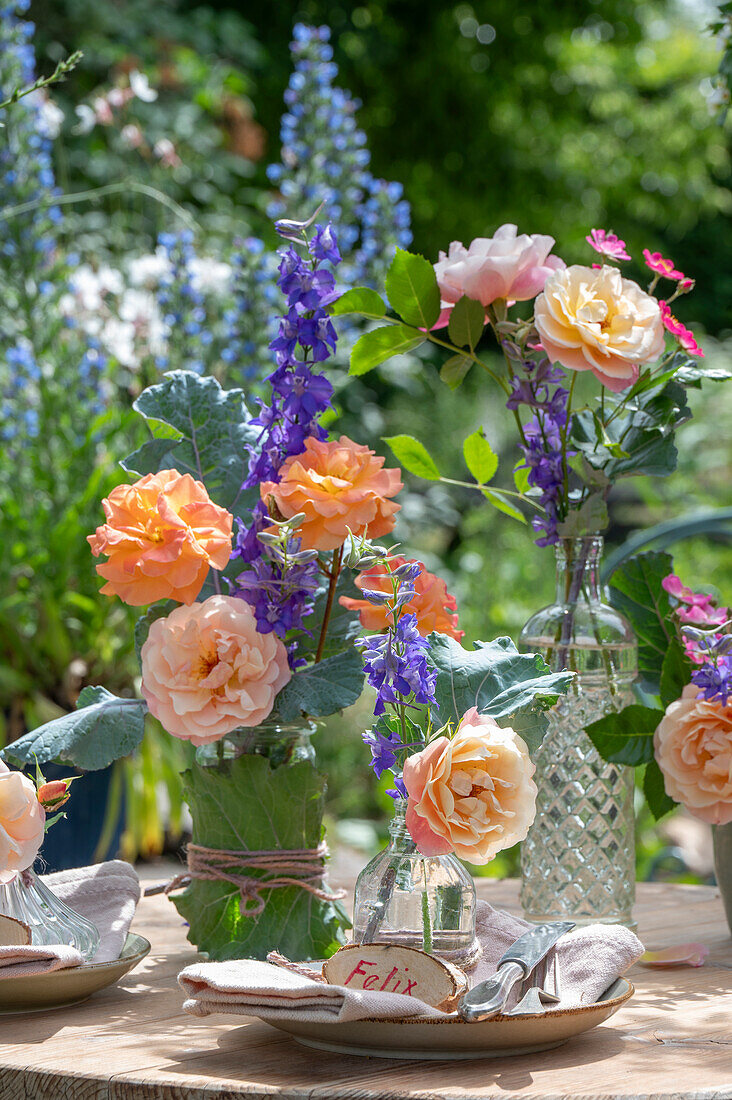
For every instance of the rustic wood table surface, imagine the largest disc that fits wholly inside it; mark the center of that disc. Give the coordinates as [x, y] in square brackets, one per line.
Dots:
[672, 1040]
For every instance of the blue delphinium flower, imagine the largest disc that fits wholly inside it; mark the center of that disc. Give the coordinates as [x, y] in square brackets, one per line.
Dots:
[714, 680]
[396, 665]
[325, 158]
[182, 306]
[542, 446]
[280, 587]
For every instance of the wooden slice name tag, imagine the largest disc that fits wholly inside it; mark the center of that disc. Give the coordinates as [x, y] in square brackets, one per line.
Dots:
[13, 933]
[385, 969]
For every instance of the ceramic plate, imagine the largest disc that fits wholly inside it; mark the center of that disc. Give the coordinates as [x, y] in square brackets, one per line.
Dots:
[453, 1038]
[70, 986]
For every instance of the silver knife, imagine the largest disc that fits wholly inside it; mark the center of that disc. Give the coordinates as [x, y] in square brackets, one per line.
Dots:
[488, 998]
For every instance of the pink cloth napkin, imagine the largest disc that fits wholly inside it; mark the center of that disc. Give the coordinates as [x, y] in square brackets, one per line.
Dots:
[106, 894]
[590, 960]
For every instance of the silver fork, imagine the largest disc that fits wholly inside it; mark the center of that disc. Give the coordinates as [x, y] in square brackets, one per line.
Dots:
[539, 988]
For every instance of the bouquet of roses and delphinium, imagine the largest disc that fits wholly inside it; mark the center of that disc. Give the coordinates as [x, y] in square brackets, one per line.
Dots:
[232, 538]
[575, 440]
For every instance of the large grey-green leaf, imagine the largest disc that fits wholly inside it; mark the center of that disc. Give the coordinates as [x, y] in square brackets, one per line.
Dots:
[322, 689]
[498, 680]
[102, 730]
[249, 806]
[636, 590]
[215, 428]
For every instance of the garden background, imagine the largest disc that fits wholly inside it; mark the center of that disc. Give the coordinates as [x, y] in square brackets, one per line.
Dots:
[135, 227]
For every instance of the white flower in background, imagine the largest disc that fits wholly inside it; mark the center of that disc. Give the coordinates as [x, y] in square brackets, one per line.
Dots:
[140, 86]
[139, 309]
[164, 150]
[148, 270]
[119, 97]
[132, 136]
[50, 116]
[87, 119]
[209, 276]
[103, 110]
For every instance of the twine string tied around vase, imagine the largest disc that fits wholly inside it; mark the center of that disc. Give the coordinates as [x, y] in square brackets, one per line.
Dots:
[300, 867]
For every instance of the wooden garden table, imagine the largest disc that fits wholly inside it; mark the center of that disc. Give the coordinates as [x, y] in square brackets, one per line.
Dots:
[672, 1040]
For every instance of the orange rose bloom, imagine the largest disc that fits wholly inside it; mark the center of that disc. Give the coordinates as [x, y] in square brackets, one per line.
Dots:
[161, 536]
[472, 794]
[338, 485]
[431, 602]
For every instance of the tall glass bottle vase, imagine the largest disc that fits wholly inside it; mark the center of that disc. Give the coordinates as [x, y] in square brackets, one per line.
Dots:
[405, 898]
[578, 861]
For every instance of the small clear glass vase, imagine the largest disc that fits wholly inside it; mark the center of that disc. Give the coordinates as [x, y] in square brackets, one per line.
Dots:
[282, 743]
[578, 860]
[51, 921]
[405, 898]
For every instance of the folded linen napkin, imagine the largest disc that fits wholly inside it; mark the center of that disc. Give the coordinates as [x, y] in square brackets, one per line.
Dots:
[106, 894]
[590, 959]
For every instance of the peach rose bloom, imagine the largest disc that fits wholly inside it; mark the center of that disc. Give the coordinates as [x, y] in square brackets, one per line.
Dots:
[693, 747]
[22, 823]
[431, 604]
[507, 265]
[206, 670]
[338, 484]
[161, 536]
[472, 794]
[594, 319]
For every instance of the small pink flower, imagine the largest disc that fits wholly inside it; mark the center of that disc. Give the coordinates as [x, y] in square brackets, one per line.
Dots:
[686, 284]
[684, 335]
[695, 655]
[607, 244]
[672, 584]
[661, 266]
[703, 615]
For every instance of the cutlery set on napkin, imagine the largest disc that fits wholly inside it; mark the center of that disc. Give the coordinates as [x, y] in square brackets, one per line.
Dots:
[523, 969]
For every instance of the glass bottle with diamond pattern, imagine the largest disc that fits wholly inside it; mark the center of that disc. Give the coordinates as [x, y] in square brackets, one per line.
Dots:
[578, 860]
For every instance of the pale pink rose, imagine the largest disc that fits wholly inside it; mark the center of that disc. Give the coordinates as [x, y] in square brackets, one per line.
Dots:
[22, 823]
[471, 794]
[594, 319]
[206, 670]
[506, 265]
[693, 747]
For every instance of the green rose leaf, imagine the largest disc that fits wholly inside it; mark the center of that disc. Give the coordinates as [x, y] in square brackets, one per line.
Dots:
[502, 505]
[480, 458]
[411, 287]
[454, 370]
[102, 729]
[413, 456]
[322, 689]
[380, 344]
[215, 429]
[249, 805]
[361, 300]
[514, 688]
[626, 736]
[692, 372]
[636, 591]
[654, 789]
[466, 324]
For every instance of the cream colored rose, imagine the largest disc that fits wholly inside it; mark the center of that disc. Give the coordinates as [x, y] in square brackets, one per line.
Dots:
[594, 319]
[471, 794]
[22, 823]
[207, 670]
[693, 747]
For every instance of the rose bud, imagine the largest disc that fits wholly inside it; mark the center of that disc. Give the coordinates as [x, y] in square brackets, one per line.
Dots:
[53, 795]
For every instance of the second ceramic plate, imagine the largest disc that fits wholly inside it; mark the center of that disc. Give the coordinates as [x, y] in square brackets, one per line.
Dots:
[453, 1038]
[70, 986]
